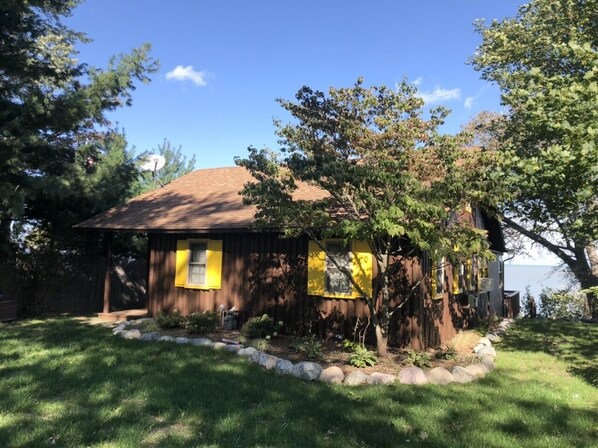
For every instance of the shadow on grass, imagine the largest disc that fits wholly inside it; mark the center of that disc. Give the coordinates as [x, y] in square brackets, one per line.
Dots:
[574, 343]
[63, 383]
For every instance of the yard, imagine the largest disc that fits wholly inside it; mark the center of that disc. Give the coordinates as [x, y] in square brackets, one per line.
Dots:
[65, 383]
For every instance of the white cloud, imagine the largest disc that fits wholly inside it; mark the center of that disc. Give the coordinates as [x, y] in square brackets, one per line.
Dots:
[417, 81]
[440, 94]
[469, 102]
[181, 73]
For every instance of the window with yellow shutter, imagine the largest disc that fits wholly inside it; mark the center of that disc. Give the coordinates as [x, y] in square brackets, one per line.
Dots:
[325, 279]
[199, 264]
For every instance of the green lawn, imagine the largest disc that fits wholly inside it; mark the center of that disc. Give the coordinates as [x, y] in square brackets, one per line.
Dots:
[64, 383]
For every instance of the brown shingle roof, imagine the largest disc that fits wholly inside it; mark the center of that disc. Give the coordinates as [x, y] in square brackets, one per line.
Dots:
[206, 199]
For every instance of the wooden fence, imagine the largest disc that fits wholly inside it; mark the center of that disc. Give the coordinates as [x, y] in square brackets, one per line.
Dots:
[72, 284]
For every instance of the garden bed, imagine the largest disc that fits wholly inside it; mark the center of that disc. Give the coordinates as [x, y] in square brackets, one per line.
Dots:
[332, 353]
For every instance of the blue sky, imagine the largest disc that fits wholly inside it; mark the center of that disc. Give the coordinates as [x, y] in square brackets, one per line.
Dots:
[224, 62]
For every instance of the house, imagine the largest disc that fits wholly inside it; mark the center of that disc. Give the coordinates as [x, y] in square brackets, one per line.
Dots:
[204, 253]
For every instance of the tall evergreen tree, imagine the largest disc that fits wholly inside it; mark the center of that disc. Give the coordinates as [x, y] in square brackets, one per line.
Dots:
[176, 165]
[53, 127]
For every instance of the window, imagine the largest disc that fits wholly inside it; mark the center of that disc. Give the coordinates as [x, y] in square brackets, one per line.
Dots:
[198, 264]
[198, 257]
[325, 279]
[338, 255]
[437, 278]
[458, 278]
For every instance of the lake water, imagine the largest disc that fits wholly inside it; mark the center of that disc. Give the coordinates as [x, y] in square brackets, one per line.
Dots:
[519, 276]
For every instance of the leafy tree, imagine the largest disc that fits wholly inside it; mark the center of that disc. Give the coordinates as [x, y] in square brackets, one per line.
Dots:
[176, 165]
[53, 129]
[387, 175]
[545, 61]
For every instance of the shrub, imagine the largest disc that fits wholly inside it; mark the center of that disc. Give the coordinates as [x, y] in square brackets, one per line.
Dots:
[311, 347]
[260, 344]
[170, 320]
[418, 359]
[361, 356]
[200, 323]
[261, 327]
[148, 325]
[561, 304]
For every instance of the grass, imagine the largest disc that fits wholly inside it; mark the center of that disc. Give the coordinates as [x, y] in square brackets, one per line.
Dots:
[63, 383]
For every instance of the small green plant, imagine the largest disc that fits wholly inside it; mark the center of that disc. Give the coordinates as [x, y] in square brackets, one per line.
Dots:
[361, 356]
[170, 320]
[418, 359]
[448, 353]
[260, 344]
[261, 327]
[201, 323]
[310, 346]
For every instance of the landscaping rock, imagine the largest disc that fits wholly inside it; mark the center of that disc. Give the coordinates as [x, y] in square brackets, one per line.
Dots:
[439, 375]
[478, 347]
[478, 370]
[493, 337]
[119, 329]
[131, 334]
[268, 361]
[356, 378]
[307, 371]
[200, 342]
[255, 356]
[165, 339]
[284, 366]
[381, 378]
[181, 340]
[487, 351]
[332, 374]
[485, 341]
[142, 320]
[412, 375]
[233, 348]
[218, 345]
[247, 351]
[488, 362]
[461, 375]
[152, 336]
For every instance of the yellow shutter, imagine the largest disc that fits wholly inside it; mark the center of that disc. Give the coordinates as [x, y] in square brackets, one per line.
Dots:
[182, 262]
[468, 275]
[433, 279]
[456, 289]
[361, 267]
[214, 262]
[316, 265]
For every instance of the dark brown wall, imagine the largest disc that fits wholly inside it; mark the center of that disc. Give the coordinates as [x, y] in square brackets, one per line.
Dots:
[262, 273]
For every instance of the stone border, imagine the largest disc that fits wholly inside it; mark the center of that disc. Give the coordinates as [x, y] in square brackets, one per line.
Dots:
[310, 371]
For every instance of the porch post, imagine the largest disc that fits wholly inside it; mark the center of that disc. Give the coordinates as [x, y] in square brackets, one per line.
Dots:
[108, 255]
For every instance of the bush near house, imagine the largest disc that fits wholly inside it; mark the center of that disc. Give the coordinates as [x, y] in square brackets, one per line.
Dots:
[201, 323]
[558, 304]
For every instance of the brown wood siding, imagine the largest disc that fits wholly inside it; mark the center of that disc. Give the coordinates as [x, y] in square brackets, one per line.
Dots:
[262, 273]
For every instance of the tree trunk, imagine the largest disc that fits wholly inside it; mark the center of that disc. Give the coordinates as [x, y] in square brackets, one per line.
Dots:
[381, 342]
[592, 297]
[381, 338]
